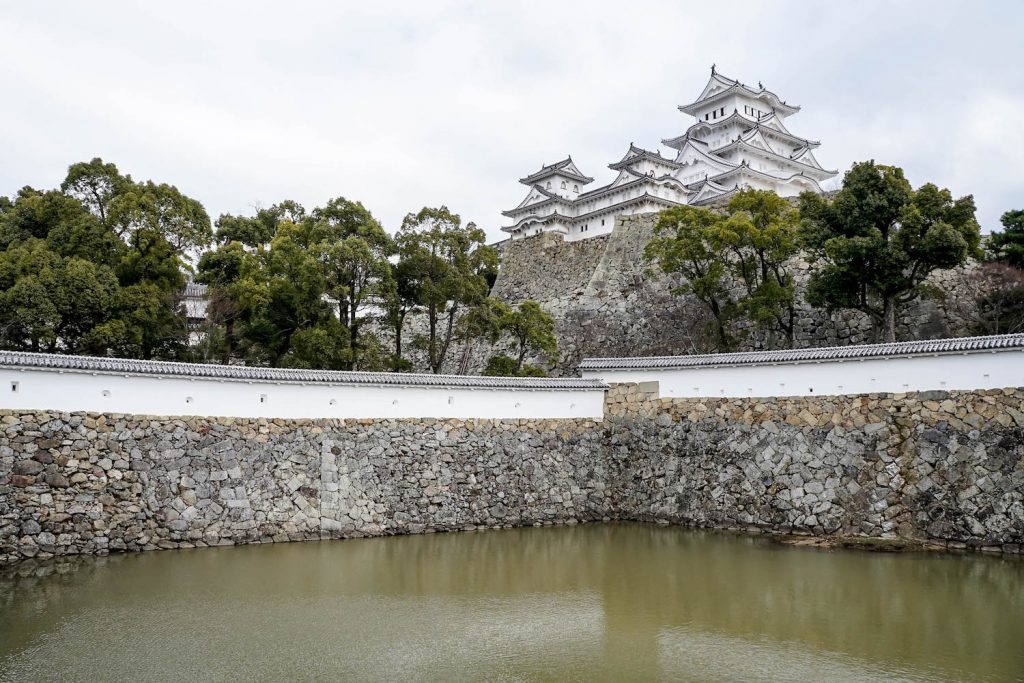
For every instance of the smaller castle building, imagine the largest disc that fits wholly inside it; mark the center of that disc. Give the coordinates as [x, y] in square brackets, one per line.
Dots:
[739, 140]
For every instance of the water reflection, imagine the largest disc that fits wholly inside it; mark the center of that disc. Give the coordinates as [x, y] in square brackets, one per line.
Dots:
[594, 602]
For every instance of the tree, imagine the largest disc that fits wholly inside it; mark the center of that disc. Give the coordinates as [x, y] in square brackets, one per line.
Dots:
[486, 320]
[280, 296]
[220, 270]
[450, 262]
[161, 208]
[95, 184]
[690, 242]
[50, 303]
[1008, 246]
[761, 235]
[533, 332]
[91, 268]
[352, 249]
[258, 230]
[401, 291]
[877, 241]
[500, 365]
[150, 300]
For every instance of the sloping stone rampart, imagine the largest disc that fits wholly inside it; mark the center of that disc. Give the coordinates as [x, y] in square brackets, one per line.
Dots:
[942, 467]
[606, 303]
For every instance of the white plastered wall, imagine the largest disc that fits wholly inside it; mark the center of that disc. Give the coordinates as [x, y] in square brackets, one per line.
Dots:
[39, 389]
[978, 370]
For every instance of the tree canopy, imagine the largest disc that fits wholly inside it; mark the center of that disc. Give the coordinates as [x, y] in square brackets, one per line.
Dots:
[450, 264]
[734, 262]
[877, 240]
[1007, 246]
[75, 280]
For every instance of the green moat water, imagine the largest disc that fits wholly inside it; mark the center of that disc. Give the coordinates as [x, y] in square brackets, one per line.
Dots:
[598, 602]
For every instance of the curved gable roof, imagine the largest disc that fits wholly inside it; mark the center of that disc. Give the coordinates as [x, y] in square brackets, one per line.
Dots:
[566, 167]
[635, 154]
[719, 86]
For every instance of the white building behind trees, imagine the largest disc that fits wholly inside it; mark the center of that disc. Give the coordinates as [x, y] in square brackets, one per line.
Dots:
[739, 140]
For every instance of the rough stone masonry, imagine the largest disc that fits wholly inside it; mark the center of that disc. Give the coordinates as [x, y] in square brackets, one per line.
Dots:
[942, 467]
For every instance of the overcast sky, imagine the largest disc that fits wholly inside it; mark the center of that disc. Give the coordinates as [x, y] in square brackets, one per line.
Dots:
[406, 104]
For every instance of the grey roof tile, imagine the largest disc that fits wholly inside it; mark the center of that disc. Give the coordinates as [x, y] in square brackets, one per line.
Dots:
[911, 348]
[127, 366]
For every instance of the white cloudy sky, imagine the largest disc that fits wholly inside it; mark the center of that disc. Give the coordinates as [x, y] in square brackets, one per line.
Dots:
[406, 104]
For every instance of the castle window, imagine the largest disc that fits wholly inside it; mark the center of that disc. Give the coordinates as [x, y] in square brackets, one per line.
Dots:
[563, 184]
[575, 188]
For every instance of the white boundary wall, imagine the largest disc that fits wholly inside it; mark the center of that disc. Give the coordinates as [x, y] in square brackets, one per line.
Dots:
[64, 390]
[973, 370]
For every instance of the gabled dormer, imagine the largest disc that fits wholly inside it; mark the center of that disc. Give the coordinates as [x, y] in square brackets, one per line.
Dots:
[644, 162]
[562, 178]
[723, 95]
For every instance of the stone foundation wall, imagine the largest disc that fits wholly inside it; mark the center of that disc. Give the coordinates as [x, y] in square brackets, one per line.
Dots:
[83, 483]
[932, 466]
[947, 468]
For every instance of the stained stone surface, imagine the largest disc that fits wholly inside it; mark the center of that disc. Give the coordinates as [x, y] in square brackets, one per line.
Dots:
[936, 466]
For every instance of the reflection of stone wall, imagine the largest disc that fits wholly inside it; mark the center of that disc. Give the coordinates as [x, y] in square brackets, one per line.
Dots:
[937, 466]
[605, 303]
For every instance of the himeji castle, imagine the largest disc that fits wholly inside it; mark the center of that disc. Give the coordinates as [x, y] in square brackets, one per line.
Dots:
[739, 140]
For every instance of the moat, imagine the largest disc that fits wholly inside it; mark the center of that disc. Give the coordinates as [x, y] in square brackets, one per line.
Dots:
[589, 602]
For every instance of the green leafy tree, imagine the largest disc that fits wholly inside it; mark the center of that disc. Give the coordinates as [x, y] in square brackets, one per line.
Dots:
[50, 303]
[352, 249]
[691, 243]
[501, 365]
[161, 208]
[451, 262]
[761, 237]
[258, 230]
[1008, 246]
[279, 294]
[401, 291]
[877, 240]
[220, 271]
[70, 282]
[95, 184]
[485, 321]
[151, 298]
[532, 331]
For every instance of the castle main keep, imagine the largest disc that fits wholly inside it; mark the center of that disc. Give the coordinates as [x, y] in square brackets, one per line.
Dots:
[739, 140]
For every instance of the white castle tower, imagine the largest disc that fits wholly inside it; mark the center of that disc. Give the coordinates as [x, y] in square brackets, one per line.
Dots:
[738, 141]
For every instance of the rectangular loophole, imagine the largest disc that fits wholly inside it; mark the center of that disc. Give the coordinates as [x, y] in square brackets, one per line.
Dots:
[15, 386]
